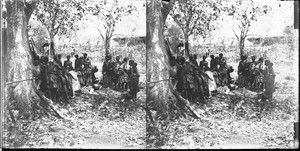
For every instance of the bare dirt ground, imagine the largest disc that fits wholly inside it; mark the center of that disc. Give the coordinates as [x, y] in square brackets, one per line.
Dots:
[86, 126]
[223, 126]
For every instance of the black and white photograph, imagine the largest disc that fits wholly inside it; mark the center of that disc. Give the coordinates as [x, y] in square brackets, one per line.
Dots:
[222, 74]
[149, 74]
[74, 74]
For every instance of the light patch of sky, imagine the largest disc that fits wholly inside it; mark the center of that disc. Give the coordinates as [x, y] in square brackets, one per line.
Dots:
[133, 25]
[272, 24]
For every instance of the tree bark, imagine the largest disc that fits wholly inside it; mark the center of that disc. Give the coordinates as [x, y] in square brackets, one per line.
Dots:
[18, 58]
[242, 46]
[186, 46]
[19, 63]
[107, 46]
[51, 42]
[157, 60]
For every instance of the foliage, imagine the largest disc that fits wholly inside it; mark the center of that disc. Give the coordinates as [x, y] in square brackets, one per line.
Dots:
[90, 119]
[288, 31]
[174, 34]
[196, 17]
[245, 14]
[108, 15]
[38, 33]
[59, 16]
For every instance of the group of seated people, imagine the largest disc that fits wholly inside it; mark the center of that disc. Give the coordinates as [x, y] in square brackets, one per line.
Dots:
[121, 75]
[195, 81]
[59, 80]
[256, 75]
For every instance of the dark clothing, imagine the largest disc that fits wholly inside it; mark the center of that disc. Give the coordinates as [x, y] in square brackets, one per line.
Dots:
[194, 62]
[86, 62]
[222, 62]
[189, 80]
[68, 65]
[204, 65]
[242, 72]
[269, 80]
[58, 61]
[134, 80]
[213, 64]
[78, 63]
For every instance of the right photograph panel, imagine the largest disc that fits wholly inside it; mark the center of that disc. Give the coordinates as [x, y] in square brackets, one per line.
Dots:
[222, 74]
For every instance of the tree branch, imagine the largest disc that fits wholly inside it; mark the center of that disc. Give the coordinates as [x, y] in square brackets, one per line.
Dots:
[29, 8]
[166, 8]
[237, 37]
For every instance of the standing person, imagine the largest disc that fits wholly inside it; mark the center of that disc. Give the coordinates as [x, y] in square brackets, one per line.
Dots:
[59, 61]
[260, 65]
[53, 81]
[269, 80]
[204, 64]
[213, 63]
[194, 60]
[86, 60]
[115, 76]
[251, 76]
[74, 82]
[118, 60]
[125, 65]
[207, 51]
[72, 59]
[259, 77]
[68, 64]
[242, 75]
[222, 70]
[134, 81]
[78, 63]
[179, 74]
[87, 70]
[105, 71]
[189, 82]
[45, 79]
[79, 69]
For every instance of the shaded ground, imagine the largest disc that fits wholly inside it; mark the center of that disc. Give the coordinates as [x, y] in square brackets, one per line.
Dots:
[228, 121]
[107, 125]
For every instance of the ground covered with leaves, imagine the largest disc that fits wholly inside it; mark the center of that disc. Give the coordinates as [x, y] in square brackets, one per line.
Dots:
[236, 119]
[91, 122]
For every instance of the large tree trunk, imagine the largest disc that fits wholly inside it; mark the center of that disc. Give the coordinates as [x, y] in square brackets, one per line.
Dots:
[157, 60]
[186, 46]
[107, 46]
[242, 46]
[21, 90]
[159, 88]
[160, 94]
[52, 51]
[19, 61]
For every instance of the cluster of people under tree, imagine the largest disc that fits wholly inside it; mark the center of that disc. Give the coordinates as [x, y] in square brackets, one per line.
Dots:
[257, 75]
[195, 81]
[60, 80]
[121, 75]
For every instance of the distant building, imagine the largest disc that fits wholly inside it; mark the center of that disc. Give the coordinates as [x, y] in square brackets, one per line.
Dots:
[130, 40]
[267, 41]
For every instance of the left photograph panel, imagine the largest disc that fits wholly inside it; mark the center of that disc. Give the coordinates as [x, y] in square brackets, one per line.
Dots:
[73, 74]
